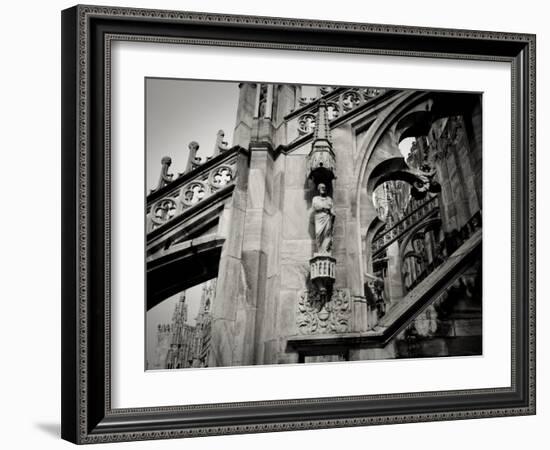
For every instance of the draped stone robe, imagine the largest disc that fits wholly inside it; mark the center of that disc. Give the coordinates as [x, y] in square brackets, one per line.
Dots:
[324, 223]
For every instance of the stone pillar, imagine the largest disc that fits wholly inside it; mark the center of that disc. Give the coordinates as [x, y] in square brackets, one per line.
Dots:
[447, 203]
[286, 102]
[257, 97]
[464, 160]
[457, 187]
[472, 124]
[259, 242]
[245, 114]
[230, 307]
[269, 102]
[394, 280]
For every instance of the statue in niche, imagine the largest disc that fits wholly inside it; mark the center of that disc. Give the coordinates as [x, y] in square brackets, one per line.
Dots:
[323, 210]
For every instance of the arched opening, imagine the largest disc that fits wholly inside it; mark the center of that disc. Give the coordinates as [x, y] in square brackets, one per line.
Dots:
[403, 180]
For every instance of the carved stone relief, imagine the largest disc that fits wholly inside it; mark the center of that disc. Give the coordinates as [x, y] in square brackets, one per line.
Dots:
[315, 316]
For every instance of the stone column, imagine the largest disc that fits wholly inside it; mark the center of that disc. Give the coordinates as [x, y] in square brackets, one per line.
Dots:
[260, 238]
[472, 124]
[394, 278]
[457, 187]
[286, 102]
[269, 102]
[447, 204]
[228, 336]
[464, 160]
[245, 114]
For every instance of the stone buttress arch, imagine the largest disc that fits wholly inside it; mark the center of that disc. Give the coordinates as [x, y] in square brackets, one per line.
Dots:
[385, 120]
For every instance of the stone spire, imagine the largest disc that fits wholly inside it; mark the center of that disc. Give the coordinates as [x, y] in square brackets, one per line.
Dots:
[321, 163]
[179, 318]
[322, 127]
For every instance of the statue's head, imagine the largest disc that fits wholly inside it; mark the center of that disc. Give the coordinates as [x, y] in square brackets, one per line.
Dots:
[166, 161]
[193, 145]
[322, 188]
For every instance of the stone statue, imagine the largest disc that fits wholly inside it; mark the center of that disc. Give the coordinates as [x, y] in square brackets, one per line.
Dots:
[323, 211]
[221, 145]
[165, 177]
[193, 161]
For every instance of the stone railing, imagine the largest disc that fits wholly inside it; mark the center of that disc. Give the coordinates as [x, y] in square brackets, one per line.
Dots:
[450, 243]
[339, 101]
[191, 188]
[416, 211]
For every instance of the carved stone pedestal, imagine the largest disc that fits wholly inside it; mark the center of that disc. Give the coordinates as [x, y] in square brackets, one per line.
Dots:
[315, 316]
[322, 269]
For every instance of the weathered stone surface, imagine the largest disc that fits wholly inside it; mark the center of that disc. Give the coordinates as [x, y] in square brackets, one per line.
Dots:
[254, 263]
[297, 218]
[340, 226]
[342, 145]
[265, 315]
[229, 286]
[253, 230]
[274, 247]
[341, 275]
[223, 344]
[234, 239]
[273, 289]
[296, 251]
[295, 171]
[270, 352]
[295, 275]
[286, 313]
[277, 203]
[224, 223]
[387, 352]
[288, 358]
[395, 278]
[241, 135]
[244, 328]
[353, 273]
[256, 189]
[340, 197]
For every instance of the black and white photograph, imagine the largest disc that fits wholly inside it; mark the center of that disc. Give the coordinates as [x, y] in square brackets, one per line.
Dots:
[275, 225]
[297, 224]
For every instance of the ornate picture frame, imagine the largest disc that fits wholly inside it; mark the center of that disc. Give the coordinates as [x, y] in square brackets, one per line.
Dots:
[87, 413]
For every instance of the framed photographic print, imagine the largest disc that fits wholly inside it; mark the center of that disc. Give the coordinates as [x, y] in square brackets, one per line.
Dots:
[281, 224]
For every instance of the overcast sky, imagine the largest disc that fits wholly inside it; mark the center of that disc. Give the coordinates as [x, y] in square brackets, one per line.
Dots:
[180, 111]
[176, 113]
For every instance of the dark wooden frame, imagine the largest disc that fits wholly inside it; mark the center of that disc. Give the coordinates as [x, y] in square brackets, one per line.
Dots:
[87, 415]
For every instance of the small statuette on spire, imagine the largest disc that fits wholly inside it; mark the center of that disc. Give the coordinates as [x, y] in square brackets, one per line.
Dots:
[193, 161]
[165, 177]
[221, 145]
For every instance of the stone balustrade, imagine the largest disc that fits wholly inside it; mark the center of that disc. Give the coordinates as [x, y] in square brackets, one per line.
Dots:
[415, 212]
[339, 101]
[191, 188]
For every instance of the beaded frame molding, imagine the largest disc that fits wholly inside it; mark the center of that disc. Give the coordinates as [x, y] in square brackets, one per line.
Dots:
[87, 34]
